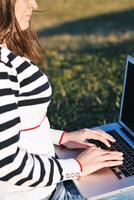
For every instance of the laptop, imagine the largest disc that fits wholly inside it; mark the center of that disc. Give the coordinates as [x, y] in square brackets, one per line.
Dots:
[110, 183]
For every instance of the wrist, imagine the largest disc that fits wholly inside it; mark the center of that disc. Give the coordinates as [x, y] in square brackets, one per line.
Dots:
[61, 138]
[81, 167]
[65, 137]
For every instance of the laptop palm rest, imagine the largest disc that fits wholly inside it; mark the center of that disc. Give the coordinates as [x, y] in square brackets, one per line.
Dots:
[102, 183]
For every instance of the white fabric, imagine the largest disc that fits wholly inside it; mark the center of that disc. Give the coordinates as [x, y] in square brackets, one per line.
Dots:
[28, 169]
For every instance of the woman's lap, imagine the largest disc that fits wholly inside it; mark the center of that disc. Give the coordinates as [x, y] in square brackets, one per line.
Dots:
[64, 193]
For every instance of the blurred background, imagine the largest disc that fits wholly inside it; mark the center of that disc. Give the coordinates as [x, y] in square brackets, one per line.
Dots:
[86, 43]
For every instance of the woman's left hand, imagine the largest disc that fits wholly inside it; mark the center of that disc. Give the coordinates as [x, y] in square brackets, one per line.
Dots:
[78, 139]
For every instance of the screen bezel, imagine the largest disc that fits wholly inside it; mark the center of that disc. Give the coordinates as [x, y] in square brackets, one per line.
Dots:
[129, 60]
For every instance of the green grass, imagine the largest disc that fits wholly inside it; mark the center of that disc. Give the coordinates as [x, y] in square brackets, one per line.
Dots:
[86, 43]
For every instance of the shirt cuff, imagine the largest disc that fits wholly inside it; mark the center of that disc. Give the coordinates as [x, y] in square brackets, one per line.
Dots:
[56, 136]
[71, 169]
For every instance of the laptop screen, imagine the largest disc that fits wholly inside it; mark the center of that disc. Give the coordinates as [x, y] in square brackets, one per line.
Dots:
[127, 104]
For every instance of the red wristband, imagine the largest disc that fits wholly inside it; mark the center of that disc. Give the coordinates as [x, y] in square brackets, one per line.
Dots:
[61, 137]
[81, 168]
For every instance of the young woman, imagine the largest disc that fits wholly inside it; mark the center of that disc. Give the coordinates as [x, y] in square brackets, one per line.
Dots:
[28, 167]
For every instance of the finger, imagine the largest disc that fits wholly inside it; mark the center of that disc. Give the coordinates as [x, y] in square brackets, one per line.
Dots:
[103, 152]
[116, 153]
[102, 139]
[112, 163]
[102, 134]
[109, 157]
[106, 135]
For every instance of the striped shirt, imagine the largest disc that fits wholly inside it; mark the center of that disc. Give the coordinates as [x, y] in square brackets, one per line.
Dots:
[28, 167]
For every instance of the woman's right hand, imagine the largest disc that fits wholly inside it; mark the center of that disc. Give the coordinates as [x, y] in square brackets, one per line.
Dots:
[94, 158]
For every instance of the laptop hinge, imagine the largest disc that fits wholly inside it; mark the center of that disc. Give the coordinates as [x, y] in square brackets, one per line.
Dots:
[127, 133]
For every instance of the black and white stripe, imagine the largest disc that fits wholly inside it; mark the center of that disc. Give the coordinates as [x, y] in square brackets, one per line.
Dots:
[18, 79]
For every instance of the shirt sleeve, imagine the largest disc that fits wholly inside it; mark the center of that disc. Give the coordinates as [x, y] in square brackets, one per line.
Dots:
[17, 166]
[56, 136]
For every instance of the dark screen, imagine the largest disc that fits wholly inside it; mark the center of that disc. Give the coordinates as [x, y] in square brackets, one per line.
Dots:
[127, 116]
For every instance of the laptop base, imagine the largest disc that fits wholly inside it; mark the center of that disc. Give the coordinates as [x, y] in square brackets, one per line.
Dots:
[102, 183]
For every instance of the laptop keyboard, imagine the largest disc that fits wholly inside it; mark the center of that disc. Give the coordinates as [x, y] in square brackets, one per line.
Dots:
[127, 169]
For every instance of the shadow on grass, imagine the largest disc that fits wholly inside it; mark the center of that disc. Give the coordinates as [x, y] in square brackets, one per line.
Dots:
[116, 22]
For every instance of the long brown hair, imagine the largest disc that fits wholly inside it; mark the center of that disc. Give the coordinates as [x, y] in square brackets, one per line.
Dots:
[23, 43]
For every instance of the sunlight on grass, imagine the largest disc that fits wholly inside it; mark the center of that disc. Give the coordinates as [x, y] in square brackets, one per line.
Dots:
[59, 11]
[74, 42]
